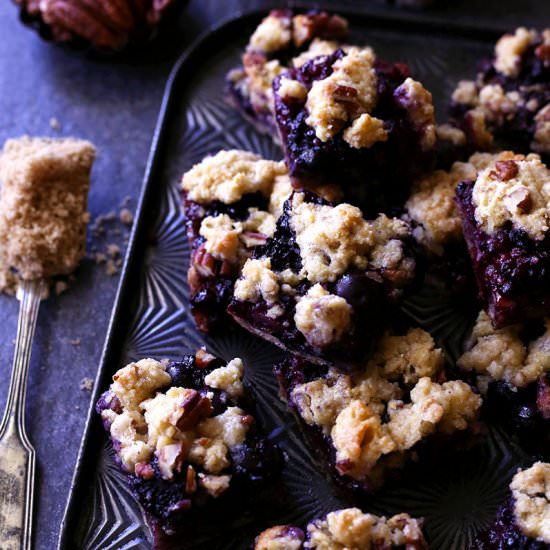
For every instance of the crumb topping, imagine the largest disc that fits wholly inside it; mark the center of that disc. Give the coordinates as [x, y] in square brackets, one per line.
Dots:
[411, 95]
[316, 48]
[510, 48]
[353, 79]
[446, 132]
[431, 204]
[43, 206]
[531, 492]
[364, 413]
[365, 131]
[228, 378]
[175, 425]
[228, 175]
[541, 137]
[272, 34]
[333, 239]
[257, 281]
[322, 317]
[500, 354]
[517, 190]
[466, 93]
[351, 528]
[280, 537]
[292, 88]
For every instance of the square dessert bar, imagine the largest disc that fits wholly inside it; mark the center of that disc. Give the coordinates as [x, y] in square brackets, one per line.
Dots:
[347, 528]
[509, 102]
[323, 285]
[231, 201]
[282, 38]
[184, 434]
[347, 118]
[511, 368]
[523, 521]
[505, 215]
[43, 205]
[367, 424]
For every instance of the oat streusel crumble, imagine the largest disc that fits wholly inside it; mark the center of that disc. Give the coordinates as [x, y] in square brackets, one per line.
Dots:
[348, 528]
[372, 418]
[311, 287]
[183, 434]
[505, 216]
[510, 100]
[43, 206]
[523, 521]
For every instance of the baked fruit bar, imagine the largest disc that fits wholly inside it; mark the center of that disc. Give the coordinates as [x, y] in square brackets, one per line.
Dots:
[282, 38]
[350, 119]
[505, 216]
[347, 528]
[43, 207]
[523, 521]
[509, 102]
[231, 201]
[511, 368]
[313, 287]
[367, 424]
[184, 434]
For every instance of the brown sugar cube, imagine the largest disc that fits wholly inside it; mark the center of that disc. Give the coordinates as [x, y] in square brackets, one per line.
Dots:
[44, 186]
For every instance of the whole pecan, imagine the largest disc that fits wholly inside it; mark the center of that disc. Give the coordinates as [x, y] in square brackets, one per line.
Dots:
[106, 24]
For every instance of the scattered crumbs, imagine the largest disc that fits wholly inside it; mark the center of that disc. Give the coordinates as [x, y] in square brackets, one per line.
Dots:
[75, 342]
[126, 217]
[126, 200]
[55, 124]
[111, 269]
[113, 250]
[87, 384]
[60, 287]
[100, 258]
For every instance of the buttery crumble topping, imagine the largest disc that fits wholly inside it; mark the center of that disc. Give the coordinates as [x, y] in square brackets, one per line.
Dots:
[365, 131]
[316, 48]
[431, 204]
[257, 280]
[500, 354]
[272, 34]
[531, 493]
[175, 425]
[327, 112]
[333, 239]
[350, 528]
[520, 194]
[509, 49]
[292, 88]
[43, 212]
[228, 175]
[322, 317]
[349, 408]
[280, 537]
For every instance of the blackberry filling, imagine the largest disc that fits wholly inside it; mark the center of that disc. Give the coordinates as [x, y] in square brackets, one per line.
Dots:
[509, 101]
[367, 424]
[314, 287]
[362, 123]
[510, 246]
[347, 528]
[183, 434]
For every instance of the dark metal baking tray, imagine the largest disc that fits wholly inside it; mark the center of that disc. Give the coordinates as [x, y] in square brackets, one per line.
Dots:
[151, 314]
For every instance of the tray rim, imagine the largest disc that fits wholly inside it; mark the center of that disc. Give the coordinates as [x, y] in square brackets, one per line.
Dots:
[420, 21]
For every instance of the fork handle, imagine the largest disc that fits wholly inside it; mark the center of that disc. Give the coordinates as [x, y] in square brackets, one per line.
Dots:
[17, 456]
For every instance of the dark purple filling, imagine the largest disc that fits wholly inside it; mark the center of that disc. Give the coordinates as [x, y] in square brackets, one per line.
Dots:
[511, 269]
[254, 464]
[377, 177]
[372, 295]
[211, 280]
[504, 533]
[515, 131]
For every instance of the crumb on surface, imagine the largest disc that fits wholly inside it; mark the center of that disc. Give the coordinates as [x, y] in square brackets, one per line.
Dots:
[86, 384]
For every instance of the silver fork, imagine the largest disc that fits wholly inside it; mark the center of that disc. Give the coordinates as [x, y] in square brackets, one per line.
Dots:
[17, 455]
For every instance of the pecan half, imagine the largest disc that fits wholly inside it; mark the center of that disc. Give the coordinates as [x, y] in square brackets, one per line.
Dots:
[195, 408]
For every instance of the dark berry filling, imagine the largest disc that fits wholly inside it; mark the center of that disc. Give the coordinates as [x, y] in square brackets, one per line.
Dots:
[511, 269]
[504, 533]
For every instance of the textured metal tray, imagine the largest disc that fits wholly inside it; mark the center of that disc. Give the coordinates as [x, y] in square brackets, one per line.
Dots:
[151, 316]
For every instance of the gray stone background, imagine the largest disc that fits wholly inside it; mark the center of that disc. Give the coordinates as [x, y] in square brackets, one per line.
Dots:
[114, 103]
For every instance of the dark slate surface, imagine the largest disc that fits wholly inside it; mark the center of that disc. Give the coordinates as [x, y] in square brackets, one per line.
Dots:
[114, 103]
